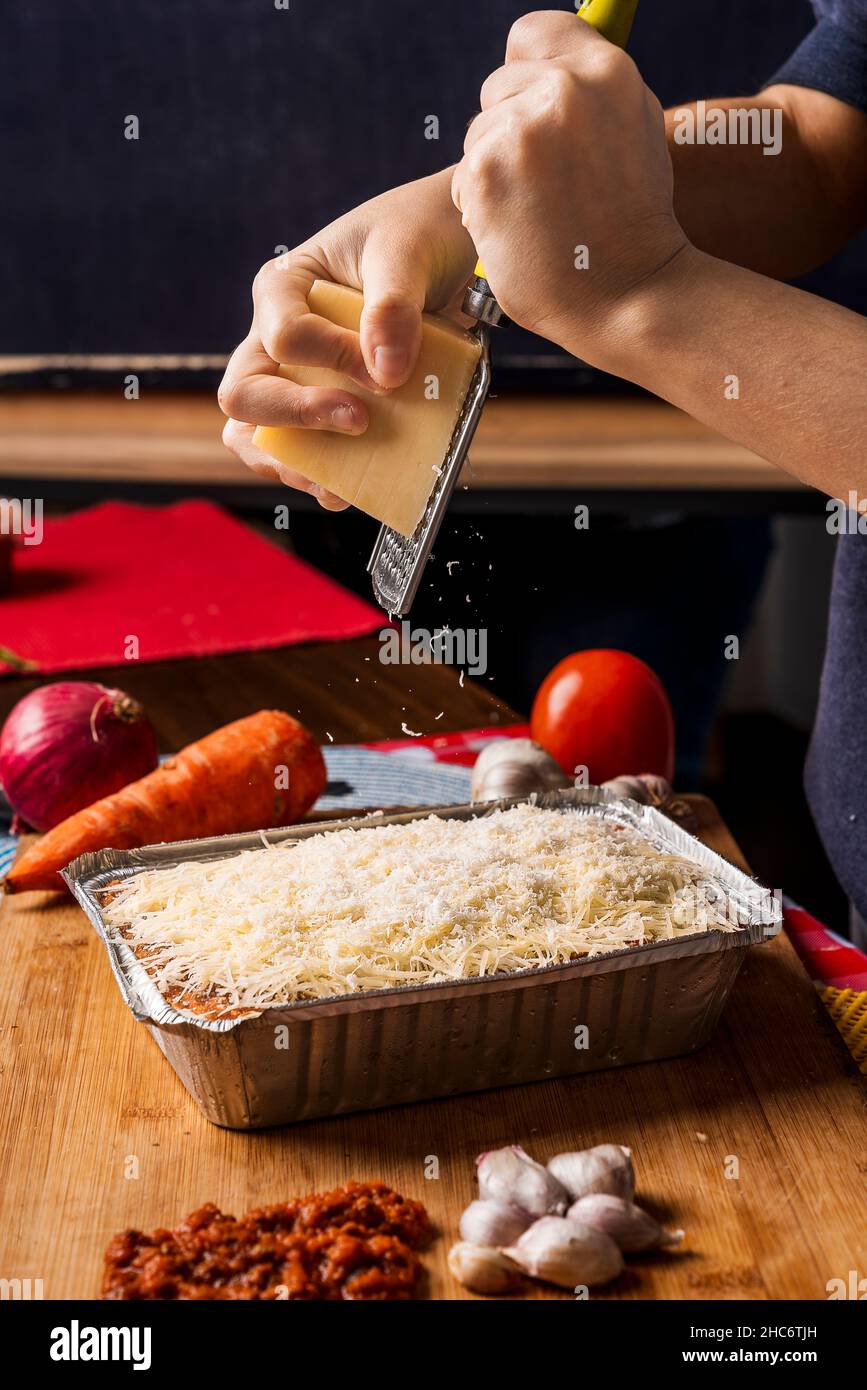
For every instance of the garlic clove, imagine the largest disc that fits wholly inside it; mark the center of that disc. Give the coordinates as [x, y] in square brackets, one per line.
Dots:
[632, 788]
[511, 1176]
[566, 1253]
[681, 812]
[658, 788]
[493, 1223]
[605, 1168]
[646, 787]
[631, 1228]
[515, 767]
[483, 1269]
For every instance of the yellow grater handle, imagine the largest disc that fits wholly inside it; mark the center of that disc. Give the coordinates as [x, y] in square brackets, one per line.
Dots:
[613, 20]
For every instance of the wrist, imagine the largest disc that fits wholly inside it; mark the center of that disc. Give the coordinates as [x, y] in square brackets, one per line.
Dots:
[430, 199]
[634, 328]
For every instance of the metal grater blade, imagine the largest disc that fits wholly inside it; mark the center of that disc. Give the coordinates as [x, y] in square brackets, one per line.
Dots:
[397, 563]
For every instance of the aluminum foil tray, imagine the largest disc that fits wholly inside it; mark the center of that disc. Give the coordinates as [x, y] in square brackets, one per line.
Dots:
[388, 1047]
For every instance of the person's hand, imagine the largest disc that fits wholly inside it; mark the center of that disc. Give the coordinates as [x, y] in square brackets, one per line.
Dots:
[407, 251]
[569, 152]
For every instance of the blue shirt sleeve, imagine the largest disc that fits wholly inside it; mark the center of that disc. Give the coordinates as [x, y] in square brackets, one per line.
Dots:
[833, 56]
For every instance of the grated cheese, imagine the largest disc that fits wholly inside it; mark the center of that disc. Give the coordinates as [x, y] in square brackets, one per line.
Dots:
[395, 905]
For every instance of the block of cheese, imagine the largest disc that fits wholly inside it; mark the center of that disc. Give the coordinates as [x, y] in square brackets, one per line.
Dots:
[390, 470]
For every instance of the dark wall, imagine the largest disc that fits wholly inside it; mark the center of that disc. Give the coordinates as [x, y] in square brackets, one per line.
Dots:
[257, 127]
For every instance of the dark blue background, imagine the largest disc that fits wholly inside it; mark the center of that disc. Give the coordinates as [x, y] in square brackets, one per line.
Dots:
[257, 127]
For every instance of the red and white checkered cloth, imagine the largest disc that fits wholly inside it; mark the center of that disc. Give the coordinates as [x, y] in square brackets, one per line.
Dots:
[828, 958]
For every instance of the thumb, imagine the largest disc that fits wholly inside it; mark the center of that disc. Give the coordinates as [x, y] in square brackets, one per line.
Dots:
[394, 295]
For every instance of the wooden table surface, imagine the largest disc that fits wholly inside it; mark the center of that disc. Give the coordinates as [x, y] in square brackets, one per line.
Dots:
[523, 442]
[341, 690]
[97, 1133]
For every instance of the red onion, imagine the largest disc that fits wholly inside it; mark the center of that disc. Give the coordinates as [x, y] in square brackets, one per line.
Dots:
[67, 745]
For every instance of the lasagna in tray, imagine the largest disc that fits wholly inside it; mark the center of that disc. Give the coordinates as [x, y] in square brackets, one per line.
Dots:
[396, 905]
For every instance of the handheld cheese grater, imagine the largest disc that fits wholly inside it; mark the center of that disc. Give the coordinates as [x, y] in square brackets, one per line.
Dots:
[397, 563]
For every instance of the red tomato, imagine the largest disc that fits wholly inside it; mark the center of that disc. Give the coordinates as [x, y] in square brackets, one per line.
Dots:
[608, 712]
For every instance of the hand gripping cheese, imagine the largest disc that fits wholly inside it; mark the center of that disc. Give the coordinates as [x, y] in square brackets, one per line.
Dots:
[390, 470]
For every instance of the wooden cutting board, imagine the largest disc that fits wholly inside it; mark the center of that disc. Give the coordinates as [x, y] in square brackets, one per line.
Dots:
[754, 1145]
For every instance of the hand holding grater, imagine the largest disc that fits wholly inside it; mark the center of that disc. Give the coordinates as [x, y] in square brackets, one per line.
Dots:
[397, 563]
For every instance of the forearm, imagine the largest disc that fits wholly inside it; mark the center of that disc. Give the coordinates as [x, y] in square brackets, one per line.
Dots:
[778, 370]
[779, 214]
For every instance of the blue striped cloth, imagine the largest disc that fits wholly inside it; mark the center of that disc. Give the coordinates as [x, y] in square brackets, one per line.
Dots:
[365, 777]
[357, 777]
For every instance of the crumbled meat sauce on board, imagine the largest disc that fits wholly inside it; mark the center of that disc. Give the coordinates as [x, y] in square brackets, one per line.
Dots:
[357, 1242]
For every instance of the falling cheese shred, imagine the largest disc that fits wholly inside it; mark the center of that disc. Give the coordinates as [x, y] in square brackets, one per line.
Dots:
[395, 905]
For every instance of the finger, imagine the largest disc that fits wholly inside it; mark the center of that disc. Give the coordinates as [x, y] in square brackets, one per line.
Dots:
[254, 393]
[512, 89]
[239, 439]
[487, 123]
[509, 80]
[395, 285]
[457, 179]
[289, 330]
[548, 34]
[479, 168]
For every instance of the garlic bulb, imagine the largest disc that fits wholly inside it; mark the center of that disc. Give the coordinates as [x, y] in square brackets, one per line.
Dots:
[510, 1176]
[493, 1223]
[483, 1269]
[515, 767]
[628, 1226]
[607, 1168]
[566, 1253]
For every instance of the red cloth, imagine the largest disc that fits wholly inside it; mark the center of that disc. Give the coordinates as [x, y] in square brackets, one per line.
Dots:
[462, 747]
[185, 580]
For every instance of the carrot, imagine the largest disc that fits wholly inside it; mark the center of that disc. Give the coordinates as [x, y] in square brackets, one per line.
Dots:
[262, 771]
